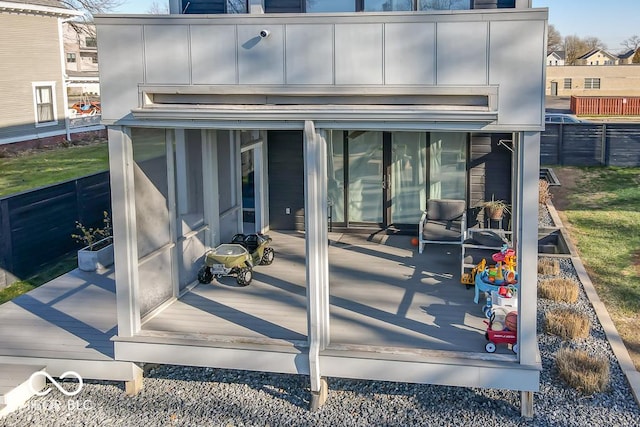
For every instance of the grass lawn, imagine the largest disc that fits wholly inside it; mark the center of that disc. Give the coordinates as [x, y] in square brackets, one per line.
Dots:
[34, 169]
[603, 210]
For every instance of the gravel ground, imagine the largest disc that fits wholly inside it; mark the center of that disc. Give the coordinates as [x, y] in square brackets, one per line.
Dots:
[176, 395]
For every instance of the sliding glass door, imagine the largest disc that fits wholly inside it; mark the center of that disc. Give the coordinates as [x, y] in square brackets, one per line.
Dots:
[383, 179]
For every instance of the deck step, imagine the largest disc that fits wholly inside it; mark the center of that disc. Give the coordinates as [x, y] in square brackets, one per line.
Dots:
[15, 387]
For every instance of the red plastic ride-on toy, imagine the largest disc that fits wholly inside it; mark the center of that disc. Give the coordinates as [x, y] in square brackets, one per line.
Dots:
[500, 336]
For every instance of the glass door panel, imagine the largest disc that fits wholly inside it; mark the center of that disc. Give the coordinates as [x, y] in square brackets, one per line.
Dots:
[365, 177]
[447, 165]
[408, 176]
[335, 175]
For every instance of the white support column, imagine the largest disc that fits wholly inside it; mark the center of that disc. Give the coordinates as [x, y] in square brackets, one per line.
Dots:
[210, 186]
[315, 179]
[125, 239]
[527, 146]
[256, 6]
[173, 175]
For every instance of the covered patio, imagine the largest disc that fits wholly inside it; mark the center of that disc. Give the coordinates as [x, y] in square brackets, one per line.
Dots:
[384, 297]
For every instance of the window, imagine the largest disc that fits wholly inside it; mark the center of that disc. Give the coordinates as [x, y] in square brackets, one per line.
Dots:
[43, 97]
[90, 42]
[320, 6]
[444, 4]
[71, 57]
[94, 59]
[387, 5]
[592, 83]
[314, 6]
[567, 84]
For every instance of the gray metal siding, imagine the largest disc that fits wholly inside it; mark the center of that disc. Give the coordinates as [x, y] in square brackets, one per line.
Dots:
[286, 180]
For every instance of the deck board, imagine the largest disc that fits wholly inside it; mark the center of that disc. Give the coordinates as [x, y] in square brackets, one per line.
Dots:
[380, 295]
[72, 317]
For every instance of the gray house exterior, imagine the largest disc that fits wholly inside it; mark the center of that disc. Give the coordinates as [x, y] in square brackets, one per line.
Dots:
[364, 115]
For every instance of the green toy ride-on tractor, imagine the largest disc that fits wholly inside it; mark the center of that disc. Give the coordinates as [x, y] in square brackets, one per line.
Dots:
[237, 258]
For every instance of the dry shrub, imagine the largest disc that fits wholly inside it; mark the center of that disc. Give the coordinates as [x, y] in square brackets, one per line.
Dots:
[544, 195]
[567, 323]
[587, 374]
[549, 267]
[559, 289]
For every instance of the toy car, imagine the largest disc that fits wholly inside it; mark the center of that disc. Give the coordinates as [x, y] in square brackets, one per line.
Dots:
[258, 247]
[226, 260]
[504, 336]
[237, 258]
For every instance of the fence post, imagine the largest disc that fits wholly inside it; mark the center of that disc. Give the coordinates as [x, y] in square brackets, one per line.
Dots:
[604, 157]
[6, 245]
[560, 145]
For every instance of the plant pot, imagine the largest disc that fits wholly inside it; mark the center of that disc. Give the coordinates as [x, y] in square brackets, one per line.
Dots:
[99, 258]
[494, 213]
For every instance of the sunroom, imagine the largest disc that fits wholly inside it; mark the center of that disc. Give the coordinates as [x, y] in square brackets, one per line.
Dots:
[334, 155]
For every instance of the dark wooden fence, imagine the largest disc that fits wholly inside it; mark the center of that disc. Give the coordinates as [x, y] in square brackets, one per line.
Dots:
[36, 226]
[591, 144]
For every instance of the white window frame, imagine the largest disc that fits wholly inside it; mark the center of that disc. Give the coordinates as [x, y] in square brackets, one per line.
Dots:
[590, 83]
[35, 86]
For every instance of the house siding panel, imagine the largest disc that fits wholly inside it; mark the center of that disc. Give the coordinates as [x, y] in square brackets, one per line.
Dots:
[489, 173]
[469, 42]
[260, 60]
[358, 54]
[317, 69]
[41, 62]
[121, 68]
[286, 180]
[210, 60]
[516, 52]
[160, 43]
[402, 63]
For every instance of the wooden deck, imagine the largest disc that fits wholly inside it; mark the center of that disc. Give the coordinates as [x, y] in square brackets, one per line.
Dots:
[382, 294]
[66, 324]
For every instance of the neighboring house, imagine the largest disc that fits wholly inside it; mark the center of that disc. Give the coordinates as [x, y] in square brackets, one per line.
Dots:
[80, 47]
[607, 80]
[375, 112]
[626, 58]
[81, 57]
[597, 57]
[32, 84]
[556, 58]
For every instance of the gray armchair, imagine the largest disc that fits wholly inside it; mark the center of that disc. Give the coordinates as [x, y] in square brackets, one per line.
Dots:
[444, 222]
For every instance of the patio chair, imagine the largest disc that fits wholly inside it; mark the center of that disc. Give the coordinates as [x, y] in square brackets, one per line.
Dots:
[444, 222]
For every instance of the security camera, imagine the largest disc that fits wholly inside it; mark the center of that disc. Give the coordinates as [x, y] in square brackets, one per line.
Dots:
[265, 33]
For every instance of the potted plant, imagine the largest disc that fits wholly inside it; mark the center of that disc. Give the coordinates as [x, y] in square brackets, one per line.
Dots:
[98, 250]
[495, 209]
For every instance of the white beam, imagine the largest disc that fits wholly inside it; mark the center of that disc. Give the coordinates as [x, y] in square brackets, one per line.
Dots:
[125, 239]
[527, 152]
[210, 186]
[316, 252]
